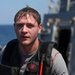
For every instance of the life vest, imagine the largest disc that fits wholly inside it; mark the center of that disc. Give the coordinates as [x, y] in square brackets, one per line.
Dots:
[38, 65]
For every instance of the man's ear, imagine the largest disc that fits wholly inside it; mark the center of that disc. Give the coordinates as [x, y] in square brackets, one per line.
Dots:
[40, 28]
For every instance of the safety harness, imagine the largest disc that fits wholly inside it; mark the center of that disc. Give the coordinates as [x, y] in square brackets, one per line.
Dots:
[39, 64]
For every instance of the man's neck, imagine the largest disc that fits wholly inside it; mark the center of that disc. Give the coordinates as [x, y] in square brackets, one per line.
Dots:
[29, 49]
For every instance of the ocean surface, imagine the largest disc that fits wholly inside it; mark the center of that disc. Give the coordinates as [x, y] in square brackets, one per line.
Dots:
[6, 34]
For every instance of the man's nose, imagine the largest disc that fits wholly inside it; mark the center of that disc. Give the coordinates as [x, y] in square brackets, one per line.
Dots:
[24, 28]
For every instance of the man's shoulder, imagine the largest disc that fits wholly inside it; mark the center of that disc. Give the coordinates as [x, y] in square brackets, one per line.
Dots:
[55, 54]
[13, 41]
[49, 43]
[9, 47]
[54, 51]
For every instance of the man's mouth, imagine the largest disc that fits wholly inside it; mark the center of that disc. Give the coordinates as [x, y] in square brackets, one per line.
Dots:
[24, 37]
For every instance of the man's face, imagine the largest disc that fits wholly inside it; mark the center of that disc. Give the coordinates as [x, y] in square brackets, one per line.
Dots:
[27, 29]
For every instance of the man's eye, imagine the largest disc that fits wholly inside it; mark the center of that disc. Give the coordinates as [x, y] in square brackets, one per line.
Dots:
[30, 25]
[19, 25]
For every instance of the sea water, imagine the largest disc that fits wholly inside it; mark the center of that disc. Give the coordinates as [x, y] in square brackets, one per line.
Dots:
[7, 33]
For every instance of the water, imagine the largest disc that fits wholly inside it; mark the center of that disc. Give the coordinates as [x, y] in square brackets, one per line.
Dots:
[6, 34]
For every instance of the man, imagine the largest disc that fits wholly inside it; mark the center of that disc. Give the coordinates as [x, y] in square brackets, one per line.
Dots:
[27, 25]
